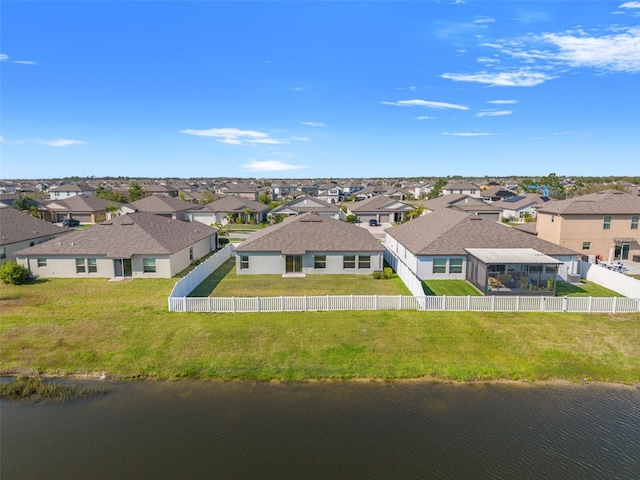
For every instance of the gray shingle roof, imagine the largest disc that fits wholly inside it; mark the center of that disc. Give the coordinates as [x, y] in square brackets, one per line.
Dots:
[307, 204]
[608, 202]
[134, 234]
[16, 226]
[311, 233]
[80, 204]
[234, 203]
[163, 205]
[449, 232]
[380, 203]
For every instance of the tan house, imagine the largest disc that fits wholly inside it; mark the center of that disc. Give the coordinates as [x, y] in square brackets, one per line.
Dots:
[138, 245]
[603, 224]
[84, 208]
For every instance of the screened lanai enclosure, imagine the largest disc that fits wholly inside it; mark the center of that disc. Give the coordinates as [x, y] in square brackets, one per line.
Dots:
[512, 271]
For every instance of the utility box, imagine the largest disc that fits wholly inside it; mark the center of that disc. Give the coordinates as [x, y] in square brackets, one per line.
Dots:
[573, 278]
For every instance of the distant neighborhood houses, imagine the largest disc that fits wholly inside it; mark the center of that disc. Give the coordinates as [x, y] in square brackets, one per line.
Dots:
[453, 236]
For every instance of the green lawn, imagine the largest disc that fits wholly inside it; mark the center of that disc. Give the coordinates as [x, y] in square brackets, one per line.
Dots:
[70, 326]
[449, 287]
[225, 283]
[585, 289]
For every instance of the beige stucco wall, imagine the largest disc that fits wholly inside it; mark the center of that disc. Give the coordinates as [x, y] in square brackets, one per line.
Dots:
[572, 231]
[11, 248]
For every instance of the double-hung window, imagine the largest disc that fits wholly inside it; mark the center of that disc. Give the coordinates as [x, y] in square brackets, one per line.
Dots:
[319, 261]
[349, 261]
[244, 262]
[364, 261]
[439, 265]
[606, 224]
[149, 265]
[634, 223]
[80, 266]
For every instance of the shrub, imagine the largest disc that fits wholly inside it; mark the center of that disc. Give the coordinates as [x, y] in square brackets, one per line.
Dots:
[388, 272]
[223, 241]
[351, 218]
[377, 275]
[12, 273]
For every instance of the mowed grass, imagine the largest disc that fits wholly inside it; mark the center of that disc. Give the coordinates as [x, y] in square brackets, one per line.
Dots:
[68, 326]
[225, 283]
[449, 287]
[585, 289]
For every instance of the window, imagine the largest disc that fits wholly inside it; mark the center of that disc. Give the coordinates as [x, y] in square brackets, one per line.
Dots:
[439, 265]
[349, 261]
[606, 225]
[42, 262]
[244, 262]
[191, 254]
[80, 268]
[364, 261]
[553, 218]
[319, 261]
[3, 253]
[455, 265]
[149, 265]
[586, 245]
[634, 223]
[92, 265]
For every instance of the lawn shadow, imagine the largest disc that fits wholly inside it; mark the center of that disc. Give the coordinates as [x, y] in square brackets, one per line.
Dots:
[427, 290]
[564, 289]
[211, 282]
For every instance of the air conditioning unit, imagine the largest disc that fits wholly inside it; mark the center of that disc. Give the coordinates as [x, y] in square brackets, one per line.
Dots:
[573, 278]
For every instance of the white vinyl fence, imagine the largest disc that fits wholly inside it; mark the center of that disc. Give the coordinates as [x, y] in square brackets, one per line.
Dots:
[618, 282]
[195, 277]
[180, 302]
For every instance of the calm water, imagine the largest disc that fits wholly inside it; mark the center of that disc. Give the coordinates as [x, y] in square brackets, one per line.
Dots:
[192, 429]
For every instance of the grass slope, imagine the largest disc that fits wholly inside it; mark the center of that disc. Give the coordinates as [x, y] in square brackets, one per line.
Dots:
[68, 326]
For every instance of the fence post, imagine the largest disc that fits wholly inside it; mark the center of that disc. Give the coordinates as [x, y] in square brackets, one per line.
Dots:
[590, 303]
[565, 304]
[328, 303]
[468, 303]
[615, 304]
[375, 302]
[233, 304]
[399, 302]
[210, 304]
[444, 302]
[352, 301]
[306, 305]
[258, 303]
[493, 303]
[517, 303]
[184, 304]
[282, 303]
[542, 304]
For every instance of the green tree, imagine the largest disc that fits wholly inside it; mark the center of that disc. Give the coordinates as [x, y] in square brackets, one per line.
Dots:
[135, 192]
[23, 202]
[102, 192]
[264, 197]
[13, 273]
[436, 191]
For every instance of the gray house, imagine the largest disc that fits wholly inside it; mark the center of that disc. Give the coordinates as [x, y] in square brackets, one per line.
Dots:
[306, 204]
[380, 208]
[310, 244]
[20, 230]
[451, 245]
[138, 245]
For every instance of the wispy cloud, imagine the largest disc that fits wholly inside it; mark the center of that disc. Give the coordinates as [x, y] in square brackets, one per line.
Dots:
[630, 5]
[5, 58]
[270, 166]
[234, 136]
[521, 78]
[468, 134]
[424, 117]
[502, 102]
[313, 124]
[493, 113]
[59, 142]
[300, 139]
[482, 20]
[426, 104]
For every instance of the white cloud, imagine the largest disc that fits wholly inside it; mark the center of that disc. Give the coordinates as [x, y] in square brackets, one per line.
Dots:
[299, 89]
[3, 57]
[484, 20]
[618, 52]
[468, 134]
[301, 139]
[424, 117]
[59, 142]
[426, 103]
[502, 102]
[313, 124]
[494, 113]
[630, 5]
[25, 62]
[487, 60]
[522, 78]
[270, 166]
[234, 136]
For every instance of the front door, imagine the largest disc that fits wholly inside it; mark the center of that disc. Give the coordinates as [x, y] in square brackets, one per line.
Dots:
[293, 264]
[624, 251]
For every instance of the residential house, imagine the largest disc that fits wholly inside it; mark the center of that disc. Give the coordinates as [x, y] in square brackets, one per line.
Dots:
[422, 190]
[168, 207]
[464, 188]
[308, 204]
[70, 190]
[464, 203]
[281, 190]
[138, 245]
[522, 207]
[230, 209]
[453, 245]
[330, 193]
[162, 190]
[368, 192]
[603, 224]
[380, 208]
[310, 244]
[239, 190]
[309, 189]
[84, 208]
[20, 230]
[495, 194]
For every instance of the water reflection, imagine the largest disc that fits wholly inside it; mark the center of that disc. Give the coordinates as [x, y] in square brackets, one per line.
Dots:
[193, 429]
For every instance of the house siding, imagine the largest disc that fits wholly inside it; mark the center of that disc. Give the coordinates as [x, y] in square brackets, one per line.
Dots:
[274, 263]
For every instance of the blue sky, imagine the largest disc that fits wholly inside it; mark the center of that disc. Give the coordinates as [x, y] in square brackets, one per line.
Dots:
[319, 89]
